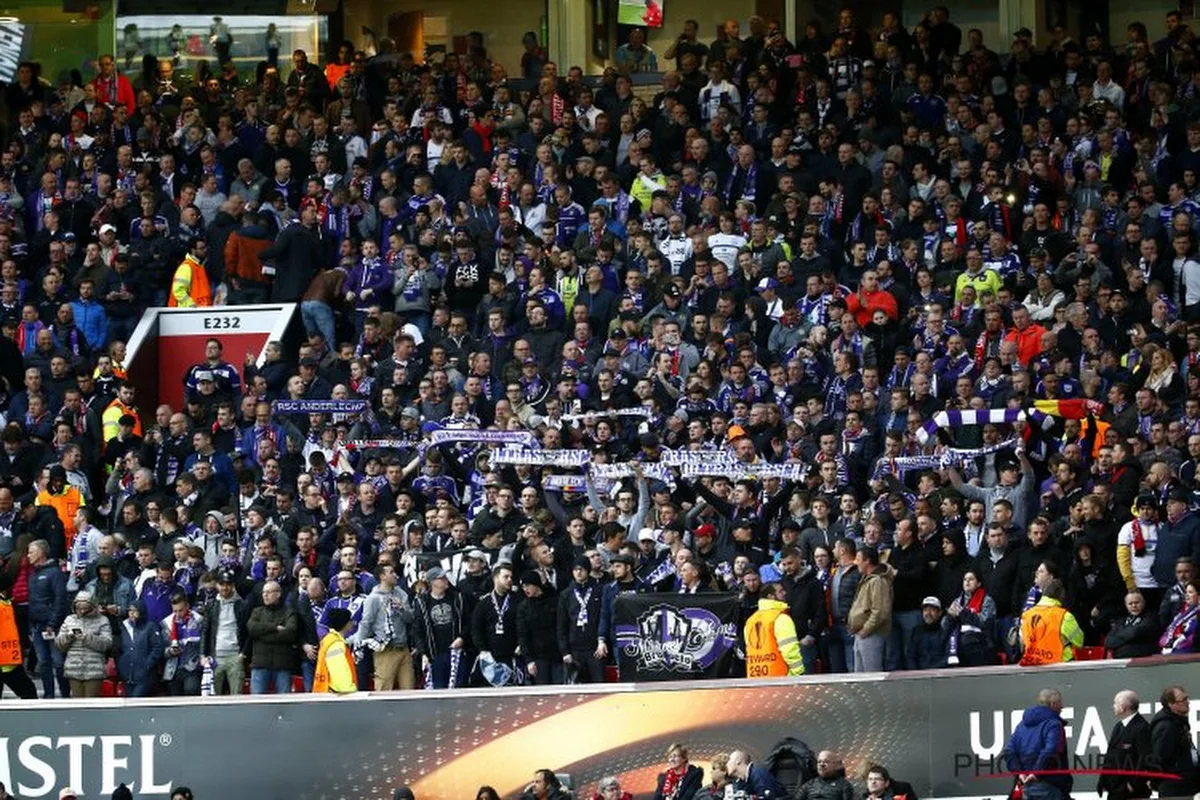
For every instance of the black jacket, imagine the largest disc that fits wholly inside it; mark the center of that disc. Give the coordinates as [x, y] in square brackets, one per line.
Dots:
[422, 628]
[212, 620]
[1170, 743]
[1134, 637]
[298, 254]
[806, 603]
[912, 581]
[692, 780]
[537, 629]
[502, 643]
[1128, 749]
[572, 636]
[998, 579]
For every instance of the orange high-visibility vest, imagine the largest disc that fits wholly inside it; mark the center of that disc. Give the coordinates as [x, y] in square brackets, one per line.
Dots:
[1041, 633]
[10, 640]
[321, 677]
[763, 658]
[65, 505]
[199, 291]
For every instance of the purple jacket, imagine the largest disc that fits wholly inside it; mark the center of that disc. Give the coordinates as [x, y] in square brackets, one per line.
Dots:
[370, 274]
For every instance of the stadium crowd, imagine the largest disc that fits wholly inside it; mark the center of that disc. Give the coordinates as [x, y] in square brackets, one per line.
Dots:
[901, 329]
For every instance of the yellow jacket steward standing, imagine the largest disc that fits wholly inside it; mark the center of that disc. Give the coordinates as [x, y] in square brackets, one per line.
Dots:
[1049, 633]
[190, 287]
[335, 671]
[772, 647]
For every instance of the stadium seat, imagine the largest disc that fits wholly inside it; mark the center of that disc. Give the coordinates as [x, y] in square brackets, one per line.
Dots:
[1090, 654]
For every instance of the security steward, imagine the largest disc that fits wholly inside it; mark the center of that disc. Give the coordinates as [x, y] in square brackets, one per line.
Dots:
[335, 672]
[1049, 633]
[772, 647]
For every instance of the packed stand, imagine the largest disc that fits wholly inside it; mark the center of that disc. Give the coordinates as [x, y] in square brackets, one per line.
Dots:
[891, 335]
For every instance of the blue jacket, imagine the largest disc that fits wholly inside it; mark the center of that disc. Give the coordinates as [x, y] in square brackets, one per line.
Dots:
[156, 599]
[1040, 743]
[762, 784]
[1175, 540]
[47, 598]
[91, 318]
[140, 651]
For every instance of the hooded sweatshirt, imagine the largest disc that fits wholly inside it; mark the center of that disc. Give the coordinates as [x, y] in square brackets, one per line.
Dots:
[1040, 743]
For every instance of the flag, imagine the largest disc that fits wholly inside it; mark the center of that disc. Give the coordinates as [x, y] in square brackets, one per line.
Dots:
[1077, 408]
[667, 637]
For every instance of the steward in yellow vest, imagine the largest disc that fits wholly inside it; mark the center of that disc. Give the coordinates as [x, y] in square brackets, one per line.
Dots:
[1049, 633]
[772, 647]
[335, 672]
[190, 287]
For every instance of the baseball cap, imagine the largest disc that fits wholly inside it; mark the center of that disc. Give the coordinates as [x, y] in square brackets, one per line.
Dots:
[672, 290]
[1179, 495]
[1146, 500]
[226, 576]
[477, 553]
[1023, 33]
[931, 601]
[433, 573]
[706, 531]
[410, 411]
[68, 792]
[647, 535]
[765, 284]
[204, 375]
[105, 228]
[621, 558]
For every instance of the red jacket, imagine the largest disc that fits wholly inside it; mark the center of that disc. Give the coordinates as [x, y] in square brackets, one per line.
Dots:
[881, 300]
[123, 92]
[1029, 342]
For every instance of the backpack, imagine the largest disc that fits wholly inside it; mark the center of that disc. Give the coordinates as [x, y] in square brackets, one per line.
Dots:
[793, 764]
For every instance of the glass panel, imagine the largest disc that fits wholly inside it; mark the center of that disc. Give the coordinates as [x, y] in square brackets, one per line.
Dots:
[189, 39]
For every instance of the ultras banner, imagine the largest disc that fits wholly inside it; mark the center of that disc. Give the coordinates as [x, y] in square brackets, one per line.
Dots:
[666, 637]
[942, 731]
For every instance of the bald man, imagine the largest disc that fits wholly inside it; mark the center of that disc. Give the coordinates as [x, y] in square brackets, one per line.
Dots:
[1128, 749]
[753, 779]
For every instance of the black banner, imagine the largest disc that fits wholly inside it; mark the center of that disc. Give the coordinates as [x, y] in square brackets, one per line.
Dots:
[665, 637]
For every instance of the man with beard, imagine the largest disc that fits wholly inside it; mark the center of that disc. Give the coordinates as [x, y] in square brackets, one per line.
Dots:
[806, 604]
[579, 612]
